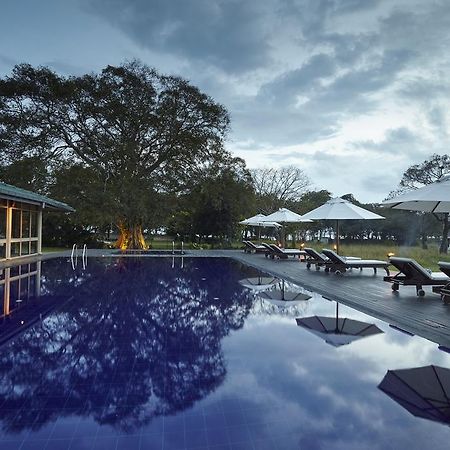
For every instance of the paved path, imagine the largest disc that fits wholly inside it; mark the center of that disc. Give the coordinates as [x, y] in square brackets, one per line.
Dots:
[425, 316]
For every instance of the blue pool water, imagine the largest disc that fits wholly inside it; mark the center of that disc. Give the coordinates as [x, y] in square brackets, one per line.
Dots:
[162, 353]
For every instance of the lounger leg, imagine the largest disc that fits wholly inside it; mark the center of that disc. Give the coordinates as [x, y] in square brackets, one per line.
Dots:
[387, 271]
[375, 270]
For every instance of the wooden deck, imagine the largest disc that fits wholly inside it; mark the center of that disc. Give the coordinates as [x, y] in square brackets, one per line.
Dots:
[425, 316]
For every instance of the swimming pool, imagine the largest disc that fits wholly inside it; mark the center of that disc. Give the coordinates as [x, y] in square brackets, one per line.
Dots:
[176, 353]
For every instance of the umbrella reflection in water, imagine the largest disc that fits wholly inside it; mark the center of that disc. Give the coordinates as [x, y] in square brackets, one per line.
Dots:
[283, 297]
[338, 331]
[423, 391]
[259, 283]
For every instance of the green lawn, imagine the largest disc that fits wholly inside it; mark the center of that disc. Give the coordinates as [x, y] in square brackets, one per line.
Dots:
[53, 249]
[428, 258]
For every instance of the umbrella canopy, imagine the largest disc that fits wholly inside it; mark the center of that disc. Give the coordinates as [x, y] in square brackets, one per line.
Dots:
[260, 220]
[338, 331]
[423, 391]
[433, 198]
[284, 215]
[259, 283]
[339, 209]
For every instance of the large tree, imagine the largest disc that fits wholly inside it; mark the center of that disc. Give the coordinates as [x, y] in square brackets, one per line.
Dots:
[138, 133]
[427, 172]
[278, 187]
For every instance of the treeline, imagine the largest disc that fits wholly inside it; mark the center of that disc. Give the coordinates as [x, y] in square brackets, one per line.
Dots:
[136, 153]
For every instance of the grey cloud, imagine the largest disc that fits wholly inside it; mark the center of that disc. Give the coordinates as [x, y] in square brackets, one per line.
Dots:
[232, 35]
[395, 140]
[283, 90]
[279, 120]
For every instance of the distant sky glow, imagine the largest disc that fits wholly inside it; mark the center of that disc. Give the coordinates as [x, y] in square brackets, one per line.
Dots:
[351, 91]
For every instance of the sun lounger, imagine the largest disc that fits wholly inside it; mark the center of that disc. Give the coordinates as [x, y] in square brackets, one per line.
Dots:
[340, 265]
[284, 253]
[444, 291]
[411, 273]
[319, 259]
[250, 247]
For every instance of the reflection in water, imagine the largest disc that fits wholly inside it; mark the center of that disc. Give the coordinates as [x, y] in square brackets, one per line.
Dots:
[336, 330]
[286, 296]
[423, 391]
[137, 341]
[18, 286]
[259, 283]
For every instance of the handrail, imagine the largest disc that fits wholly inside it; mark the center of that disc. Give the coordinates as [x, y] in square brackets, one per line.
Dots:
[74, 253]
[84, 256]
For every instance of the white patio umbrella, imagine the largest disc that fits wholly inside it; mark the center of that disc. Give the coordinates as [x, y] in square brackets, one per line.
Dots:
[284, 216]
[339, 209]
[434, 198]
[259, 221]
[257, 218]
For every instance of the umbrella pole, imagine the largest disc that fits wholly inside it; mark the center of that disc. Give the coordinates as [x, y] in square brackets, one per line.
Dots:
[337, 237]
[337, 317]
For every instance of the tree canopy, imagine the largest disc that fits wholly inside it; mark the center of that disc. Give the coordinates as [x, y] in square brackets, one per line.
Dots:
[418, 175]
[132, 132]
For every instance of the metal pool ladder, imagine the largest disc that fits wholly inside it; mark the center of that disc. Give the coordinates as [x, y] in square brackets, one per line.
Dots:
[74, 256]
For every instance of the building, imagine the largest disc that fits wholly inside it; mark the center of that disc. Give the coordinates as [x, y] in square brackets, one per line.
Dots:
[21, 220]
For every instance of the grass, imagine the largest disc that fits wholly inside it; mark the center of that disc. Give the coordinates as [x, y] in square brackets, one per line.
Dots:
[427, 258]
[53, 249]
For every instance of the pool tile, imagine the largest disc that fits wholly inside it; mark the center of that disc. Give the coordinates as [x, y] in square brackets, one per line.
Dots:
[128, 442]
[105, 443]
[196, 438]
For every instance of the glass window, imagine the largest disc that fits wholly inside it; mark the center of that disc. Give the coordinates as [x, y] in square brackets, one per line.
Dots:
[14, 271]
[33, 224]
[25, 248]
[3, 223]
[25, 224]
[33, 245]
[2, 250]
[16, 213]
[15, 249]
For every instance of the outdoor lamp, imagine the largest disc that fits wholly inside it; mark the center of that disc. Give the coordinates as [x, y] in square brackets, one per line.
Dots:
[390, 254]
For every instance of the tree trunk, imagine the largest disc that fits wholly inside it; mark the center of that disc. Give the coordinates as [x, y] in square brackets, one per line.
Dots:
[131, 237]
[423, 233]
[423, 239]
[445, 228]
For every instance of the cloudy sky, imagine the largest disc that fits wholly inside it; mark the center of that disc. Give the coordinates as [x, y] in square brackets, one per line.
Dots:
[351, 91]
